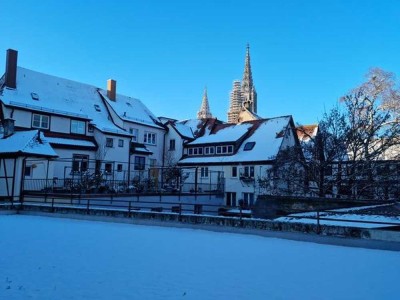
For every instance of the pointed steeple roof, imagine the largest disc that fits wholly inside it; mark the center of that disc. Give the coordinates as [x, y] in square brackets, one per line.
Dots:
[248, 89]
[247, 82]
[204, 111]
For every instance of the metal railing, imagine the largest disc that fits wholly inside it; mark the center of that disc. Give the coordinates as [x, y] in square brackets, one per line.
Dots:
[108, 186]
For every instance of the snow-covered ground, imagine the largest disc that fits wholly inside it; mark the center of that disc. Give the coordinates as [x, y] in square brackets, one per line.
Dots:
[50, 258]
[344, 217]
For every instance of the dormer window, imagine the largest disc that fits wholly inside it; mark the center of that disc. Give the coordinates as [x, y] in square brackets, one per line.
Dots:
[249, 146]
[97, 107]
[209, 150]
[224, 149]
[35, 96]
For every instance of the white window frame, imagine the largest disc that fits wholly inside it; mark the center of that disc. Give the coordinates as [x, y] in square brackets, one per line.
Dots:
[109, 142]
[135, 133]
[78, 126]
[150, 138]
[41, 121]
[204, 172]
[234, 174]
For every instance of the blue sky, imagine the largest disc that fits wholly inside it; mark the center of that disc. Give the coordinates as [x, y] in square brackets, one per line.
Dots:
[305, 54]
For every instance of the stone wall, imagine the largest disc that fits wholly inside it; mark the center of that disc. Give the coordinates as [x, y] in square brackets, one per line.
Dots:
[244, 223]
[270, 207]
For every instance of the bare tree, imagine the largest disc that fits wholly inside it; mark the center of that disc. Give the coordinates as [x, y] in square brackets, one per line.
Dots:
[349, 154]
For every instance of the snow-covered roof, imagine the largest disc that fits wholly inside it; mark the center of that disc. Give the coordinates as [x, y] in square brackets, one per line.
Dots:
[140, 148]
[29, 142]
[70, 142]
[184, 130]
[266, 136]
[194, 124]
[131, 110]
[227, 133]
[45, 93]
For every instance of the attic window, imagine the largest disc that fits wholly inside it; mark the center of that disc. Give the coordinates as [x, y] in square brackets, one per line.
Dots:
[35, 96]
[127, 103]
[97, 107]
[249, 146]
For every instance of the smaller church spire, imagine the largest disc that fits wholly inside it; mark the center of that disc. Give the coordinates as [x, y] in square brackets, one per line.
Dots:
[204, 111]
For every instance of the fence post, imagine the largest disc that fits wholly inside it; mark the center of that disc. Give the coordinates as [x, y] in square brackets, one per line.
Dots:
[52, 204]
[87, 206]
[318, 223]
[240, 216]
[180, 212]
[129, 209]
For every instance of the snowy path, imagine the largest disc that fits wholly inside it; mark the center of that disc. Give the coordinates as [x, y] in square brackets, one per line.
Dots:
[50, 258]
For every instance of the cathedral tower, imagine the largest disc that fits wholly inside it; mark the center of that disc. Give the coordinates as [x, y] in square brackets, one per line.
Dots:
[243, 95]
[248, 89]
[204, 111]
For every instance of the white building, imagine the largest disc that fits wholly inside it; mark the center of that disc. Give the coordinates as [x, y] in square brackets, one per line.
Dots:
[240, 153]
[90, 129]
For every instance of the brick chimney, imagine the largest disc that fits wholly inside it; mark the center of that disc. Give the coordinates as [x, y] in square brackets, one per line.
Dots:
[8, 126]
[111, 89]
[11, 69]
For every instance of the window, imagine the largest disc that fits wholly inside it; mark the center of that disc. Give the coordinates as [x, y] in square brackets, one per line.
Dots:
[97, 107]
[249, 146]
[109, 142]
[248, 171]
[35, 96]
[108, 168]
[90, 128]
[209, 150]
[28, 171]
[120, 143]
[224, 149]
[190, 151]
[78, 127]
[171, 144]
[204, 172]
[234, 171]
[135, 134]
[248, 199]
[149, 138]
[230, 198]
[40, 121]
[153, 162]
[80, 163]
[119, 168]
[139, 162]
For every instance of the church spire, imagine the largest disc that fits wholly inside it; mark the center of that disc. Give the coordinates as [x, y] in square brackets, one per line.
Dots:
[204, 111]
[247, 82]
[248, 89]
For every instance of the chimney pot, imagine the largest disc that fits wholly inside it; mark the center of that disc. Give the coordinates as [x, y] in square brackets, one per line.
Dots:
[111, 89]
[8, 126]
[11, 69]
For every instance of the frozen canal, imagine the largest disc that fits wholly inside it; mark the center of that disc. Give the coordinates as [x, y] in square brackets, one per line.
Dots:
[50, 258]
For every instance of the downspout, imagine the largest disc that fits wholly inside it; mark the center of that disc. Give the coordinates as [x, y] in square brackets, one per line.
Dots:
[163, 162]
[129, 163]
